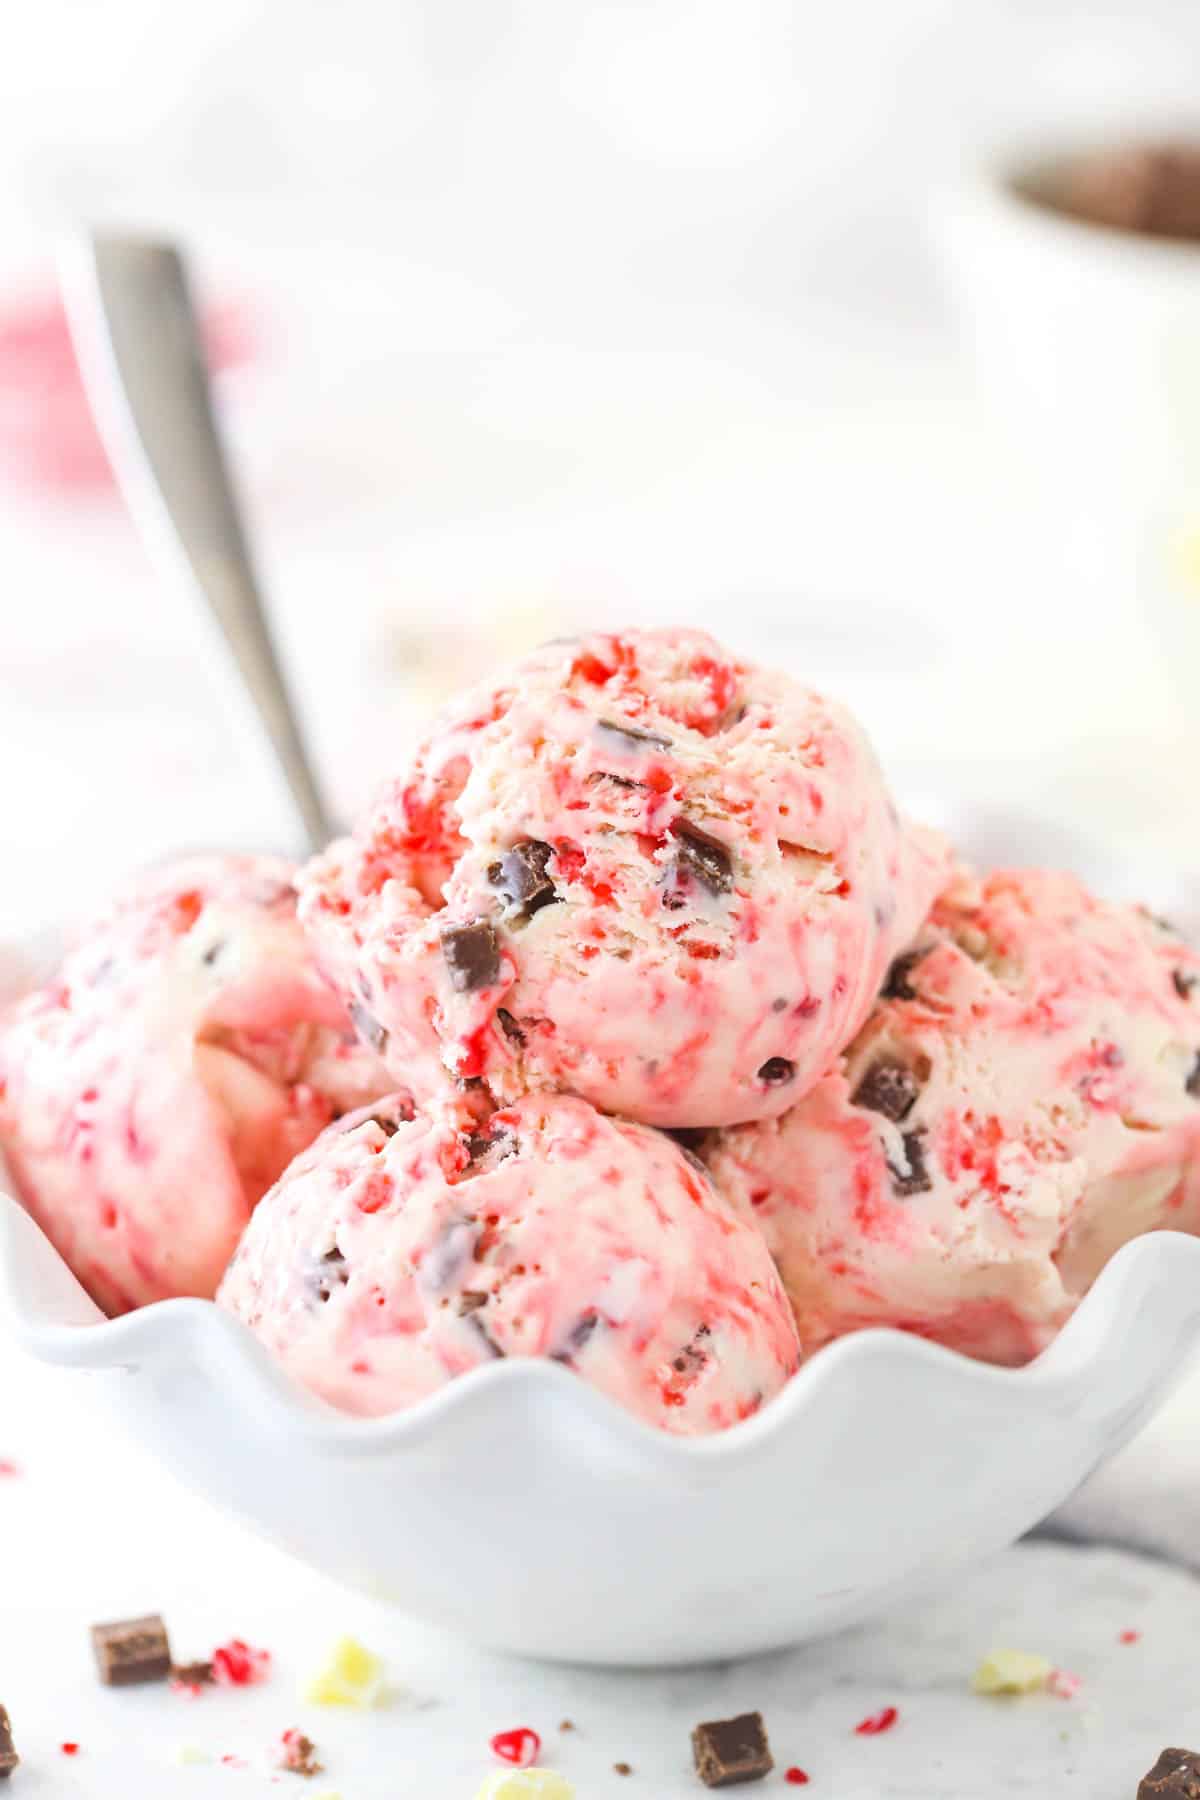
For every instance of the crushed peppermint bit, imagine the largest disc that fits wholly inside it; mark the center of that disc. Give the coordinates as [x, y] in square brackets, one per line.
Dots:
[297, 1754]
[796, 1777]
[349, 1676]
[69, 1749]
[1012, 1672]
[238, 1664]
[875, 1723]
[192, 1755]
[1062, 1683]
[525, 1784]
[519, 1747]
[1129, 1637]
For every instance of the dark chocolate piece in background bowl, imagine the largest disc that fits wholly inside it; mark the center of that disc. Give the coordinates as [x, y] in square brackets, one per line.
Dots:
[730, 1751]
[1175, 1776]
[1150, 189]
[132, 1650]
[8, 1753]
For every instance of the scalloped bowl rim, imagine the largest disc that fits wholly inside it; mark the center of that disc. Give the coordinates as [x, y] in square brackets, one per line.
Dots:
[93, 1342]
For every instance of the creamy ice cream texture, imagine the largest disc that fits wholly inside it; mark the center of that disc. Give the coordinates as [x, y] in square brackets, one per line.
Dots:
[632, 867]
[155, 1088]
[410, 1245]
[1024, 1099]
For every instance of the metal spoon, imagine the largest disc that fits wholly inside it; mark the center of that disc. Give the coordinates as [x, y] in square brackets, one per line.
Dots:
[138, 342]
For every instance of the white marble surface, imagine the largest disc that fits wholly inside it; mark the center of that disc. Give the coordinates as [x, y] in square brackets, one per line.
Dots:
[77, 1527]
[94, 1529]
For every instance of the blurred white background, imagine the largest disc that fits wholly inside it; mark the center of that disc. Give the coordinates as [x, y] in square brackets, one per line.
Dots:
[559, 309]
[543, 311]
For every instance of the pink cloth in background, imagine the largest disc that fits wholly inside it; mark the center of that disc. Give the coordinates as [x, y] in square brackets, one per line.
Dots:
[48, 440]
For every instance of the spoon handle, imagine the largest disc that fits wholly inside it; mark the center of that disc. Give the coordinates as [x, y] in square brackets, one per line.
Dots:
[139, 347]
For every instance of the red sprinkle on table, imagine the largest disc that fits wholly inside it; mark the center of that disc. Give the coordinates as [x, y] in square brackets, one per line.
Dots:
[7, 1468]
[1063, 1683]
[236, 1664]
[1127, 1637]
[69, 1749]
[797, 1777]
[519, 1747]
[877, 1722]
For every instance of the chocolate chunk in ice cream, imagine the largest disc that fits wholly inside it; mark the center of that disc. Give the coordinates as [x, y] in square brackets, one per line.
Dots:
[521, 879]
[915, 1179]
[898, 985]
[368, 1027]
[472, 956]
[703, 857]
[776, 1070]
[889, 1088]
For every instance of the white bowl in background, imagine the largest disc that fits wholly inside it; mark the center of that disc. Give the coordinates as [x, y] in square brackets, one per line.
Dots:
[1086, 345]
[526, 1511]
[1085, 337]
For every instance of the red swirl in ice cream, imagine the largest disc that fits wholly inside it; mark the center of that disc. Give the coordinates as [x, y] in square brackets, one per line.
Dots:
[632, 867]
[153, 1091]
[1024, 1099]
[407, 1247]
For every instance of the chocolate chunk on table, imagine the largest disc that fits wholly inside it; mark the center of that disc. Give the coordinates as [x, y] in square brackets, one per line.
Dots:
[703, 857]
[887, 1087]
[472, 956]
[1175, 1776]
[8, 1754]
[729, 1751]
[520, 876]
[193, 1674]
[132, 1650]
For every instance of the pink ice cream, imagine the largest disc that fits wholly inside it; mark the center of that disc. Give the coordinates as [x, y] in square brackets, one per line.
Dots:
[1024, 1099]
[632, 867]
[153, 1091]
[407, 1247]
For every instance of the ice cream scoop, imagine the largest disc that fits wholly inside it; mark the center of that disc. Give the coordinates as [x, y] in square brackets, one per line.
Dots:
[1024, 1099]
[408, 1246]
[632, 867]
[154, 1089]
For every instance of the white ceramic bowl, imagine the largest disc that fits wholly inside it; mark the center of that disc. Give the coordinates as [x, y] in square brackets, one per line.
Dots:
[526, 1511]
